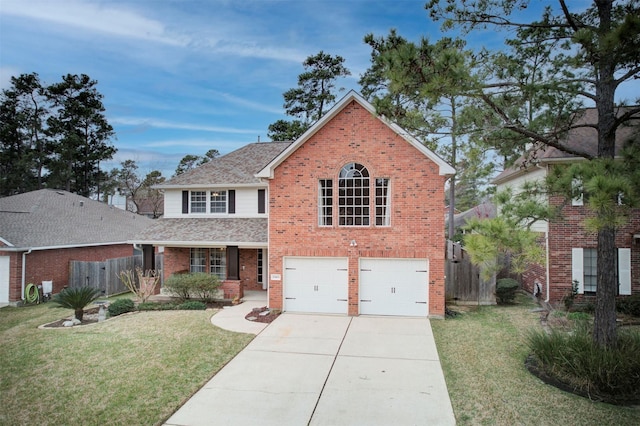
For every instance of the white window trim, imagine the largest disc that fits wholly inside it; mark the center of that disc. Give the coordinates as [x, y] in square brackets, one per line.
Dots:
[624, 270]
[578, 201]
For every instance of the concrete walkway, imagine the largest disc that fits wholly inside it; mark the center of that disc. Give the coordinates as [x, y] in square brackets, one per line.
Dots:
[327, 370]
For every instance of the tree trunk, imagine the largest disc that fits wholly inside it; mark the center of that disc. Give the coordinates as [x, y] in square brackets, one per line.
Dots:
[604, 328]
[79, 314]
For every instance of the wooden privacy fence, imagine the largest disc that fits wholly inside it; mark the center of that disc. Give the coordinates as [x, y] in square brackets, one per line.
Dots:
[105, 276]
[463, 284]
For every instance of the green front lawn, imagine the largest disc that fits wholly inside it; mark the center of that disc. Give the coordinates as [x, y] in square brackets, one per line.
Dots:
[133, 369]
[482, 353]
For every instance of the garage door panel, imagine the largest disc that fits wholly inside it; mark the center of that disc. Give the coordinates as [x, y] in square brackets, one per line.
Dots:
[394, 287]
[316, 285]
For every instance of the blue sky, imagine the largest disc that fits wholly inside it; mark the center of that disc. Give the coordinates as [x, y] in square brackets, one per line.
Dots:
[181, 77]
[185, 76]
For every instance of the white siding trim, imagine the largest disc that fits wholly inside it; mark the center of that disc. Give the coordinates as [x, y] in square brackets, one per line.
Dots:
[577, 268]
[624, 271]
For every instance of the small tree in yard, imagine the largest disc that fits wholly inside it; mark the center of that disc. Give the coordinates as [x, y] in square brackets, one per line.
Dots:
[76, 299]
[148, 281]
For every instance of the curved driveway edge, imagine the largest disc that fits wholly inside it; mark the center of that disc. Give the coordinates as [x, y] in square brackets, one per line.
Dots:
[328, 370]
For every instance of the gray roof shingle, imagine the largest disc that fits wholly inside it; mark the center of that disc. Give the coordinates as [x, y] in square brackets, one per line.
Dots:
[52, 218]
[208, 231]
[237, 167]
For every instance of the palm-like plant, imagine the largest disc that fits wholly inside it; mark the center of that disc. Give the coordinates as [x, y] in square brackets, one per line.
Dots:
[76, 299]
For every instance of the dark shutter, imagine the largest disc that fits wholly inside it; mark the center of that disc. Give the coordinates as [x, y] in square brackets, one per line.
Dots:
[233, 263]
[185, 202]
[148, 257]
[232, 201]
[261, 200]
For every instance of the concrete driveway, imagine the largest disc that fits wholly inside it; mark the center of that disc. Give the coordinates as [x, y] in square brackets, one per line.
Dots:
[328, 370]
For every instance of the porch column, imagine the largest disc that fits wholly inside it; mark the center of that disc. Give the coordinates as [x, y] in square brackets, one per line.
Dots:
[148, 257]
[233, 263]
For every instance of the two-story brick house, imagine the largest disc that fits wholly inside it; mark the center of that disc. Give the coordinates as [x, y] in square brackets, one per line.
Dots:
[570, 247]
[346, 219]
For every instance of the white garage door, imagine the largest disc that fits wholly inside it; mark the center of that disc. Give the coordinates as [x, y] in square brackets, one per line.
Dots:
[394, 287]
[4, 279]
[316, 284]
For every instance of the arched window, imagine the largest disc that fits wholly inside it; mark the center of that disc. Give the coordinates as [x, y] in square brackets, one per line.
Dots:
[353, 195]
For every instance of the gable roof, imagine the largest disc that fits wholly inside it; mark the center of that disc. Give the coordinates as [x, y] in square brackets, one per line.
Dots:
[50, 218]
[583, 138]
[235, 168]
[444, 168]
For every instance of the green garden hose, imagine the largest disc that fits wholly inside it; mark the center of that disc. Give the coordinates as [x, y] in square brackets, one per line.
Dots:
[31, 293]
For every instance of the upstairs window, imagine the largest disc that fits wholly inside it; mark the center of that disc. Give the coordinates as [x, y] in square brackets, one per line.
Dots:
[218, 202]
[198, 201]
[353, 195]
[383, 207]
[325, 202]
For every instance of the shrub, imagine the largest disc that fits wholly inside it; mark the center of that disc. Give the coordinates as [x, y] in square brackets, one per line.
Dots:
[121, 306]
[574, 359]
[76, 299]
[579, 316]
[192, 305]
[156, 306]
[629, 305]
[196, 285]
[506, 290]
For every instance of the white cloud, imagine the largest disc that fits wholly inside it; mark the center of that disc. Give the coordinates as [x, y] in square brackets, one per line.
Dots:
[163, 124]
[93, 17]
[5, 76]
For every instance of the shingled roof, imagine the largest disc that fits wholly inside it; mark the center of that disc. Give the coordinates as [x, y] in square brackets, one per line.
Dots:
[54, 218]
[584, 139]
[194, 232]
[236, 168]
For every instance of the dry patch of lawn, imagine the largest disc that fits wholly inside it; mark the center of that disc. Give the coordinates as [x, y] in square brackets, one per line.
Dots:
[133, 369]
[482, 354]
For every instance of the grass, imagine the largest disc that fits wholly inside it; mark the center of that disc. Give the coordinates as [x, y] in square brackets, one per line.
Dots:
[132, 369]
[482, 353]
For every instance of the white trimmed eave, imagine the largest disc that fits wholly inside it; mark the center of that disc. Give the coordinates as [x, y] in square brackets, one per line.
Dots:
[200, 243]
[213, 186]
[20, 249]
[267, 173]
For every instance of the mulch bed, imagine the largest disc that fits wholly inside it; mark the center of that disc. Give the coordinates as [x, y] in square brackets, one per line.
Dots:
[255, 316]
[90, 316]
[534, 367]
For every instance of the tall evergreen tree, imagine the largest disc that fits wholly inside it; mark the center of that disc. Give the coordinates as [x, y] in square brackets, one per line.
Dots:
[23, 150]
[312, 98]
[80, 134]
[572, 58]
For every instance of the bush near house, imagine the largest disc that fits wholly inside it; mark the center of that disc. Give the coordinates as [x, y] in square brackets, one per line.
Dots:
[506, 290]
[197, 285]
[121, 306]
[629, 305]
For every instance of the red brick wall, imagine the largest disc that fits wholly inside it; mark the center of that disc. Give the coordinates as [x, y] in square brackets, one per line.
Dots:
[177, 259]
[44, 265]
[570, 233]
[417, 191]
[249, 269]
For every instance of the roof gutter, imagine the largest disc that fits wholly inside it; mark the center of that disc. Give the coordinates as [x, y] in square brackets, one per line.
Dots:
[30, 249]
[24, 271]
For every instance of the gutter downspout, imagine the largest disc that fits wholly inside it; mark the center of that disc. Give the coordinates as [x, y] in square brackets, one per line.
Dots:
[24, 271]
[546, 242]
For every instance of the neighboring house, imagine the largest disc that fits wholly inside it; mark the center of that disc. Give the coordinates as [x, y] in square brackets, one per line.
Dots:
[42, 231]
[570, 248]
[485, 210]
[347, 219]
